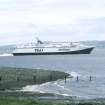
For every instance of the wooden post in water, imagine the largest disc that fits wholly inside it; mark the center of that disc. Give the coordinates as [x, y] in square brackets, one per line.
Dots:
[18, 79]
[0, 78]
[51, 77]
[65, 79]
[34, 78]
[90, 78]
[77, 79]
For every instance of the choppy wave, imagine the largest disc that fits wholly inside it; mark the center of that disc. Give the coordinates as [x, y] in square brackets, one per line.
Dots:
[74, 74]
[6, 54]
[58, 87]
[49, 87]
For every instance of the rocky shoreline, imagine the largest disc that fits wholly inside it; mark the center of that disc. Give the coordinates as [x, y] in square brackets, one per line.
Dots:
[15, 78]
[12, 79]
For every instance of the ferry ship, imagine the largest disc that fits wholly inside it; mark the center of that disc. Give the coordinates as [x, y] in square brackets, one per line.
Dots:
[52, 48]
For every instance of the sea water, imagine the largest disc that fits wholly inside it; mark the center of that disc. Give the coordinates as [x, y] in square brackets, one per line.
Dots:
[83, 66]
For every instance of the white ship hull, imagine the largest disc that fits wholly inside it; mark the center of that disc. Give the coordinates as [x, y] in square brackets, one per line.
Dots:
[51, 51]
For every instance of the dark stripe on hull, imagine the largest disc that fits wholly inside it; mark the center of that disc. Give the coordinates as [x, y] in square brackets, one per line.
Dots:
[84, 51]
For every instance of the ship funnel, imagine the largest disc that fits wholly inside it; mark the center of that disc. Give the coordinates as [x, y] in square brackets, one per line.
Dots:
[39, 41]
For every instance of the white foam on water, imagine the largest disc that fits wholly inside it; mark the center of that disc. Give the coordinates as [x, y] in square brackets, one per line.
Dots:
[65, 95]
[6, 54]
[74, 74]
[49, 87]
[32, 88]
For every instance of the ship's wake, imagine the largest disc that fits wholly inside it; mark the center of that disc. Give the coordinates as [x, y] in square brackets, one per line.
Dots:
[6, 54]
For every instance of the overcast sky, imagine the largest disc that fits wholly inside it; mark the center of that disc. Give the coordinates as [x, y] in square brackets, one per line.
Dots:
[60, 20]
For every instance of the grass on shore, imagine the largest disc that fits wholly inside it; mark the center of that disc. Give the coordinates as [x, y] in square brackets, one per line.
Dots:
[19, 101]
[25, 102]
